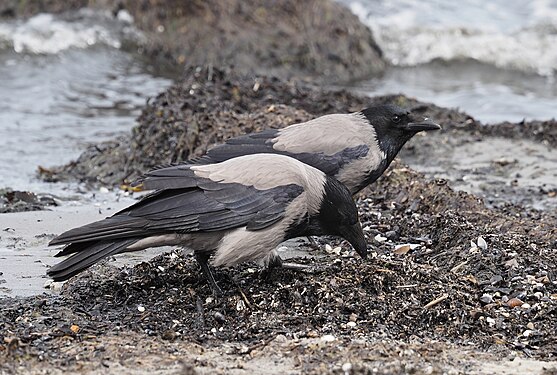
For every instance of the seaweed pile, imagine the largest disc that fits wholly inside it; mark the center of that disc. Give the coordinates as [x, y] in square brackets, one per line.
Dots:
[18, 201]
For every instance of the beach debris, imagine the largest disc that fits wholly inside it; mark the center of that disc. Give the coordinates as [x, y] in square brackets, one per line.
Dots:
[486, 298]
[436, 301]
[456, 268]
[405, 248]
[380, 238]
[328, 338]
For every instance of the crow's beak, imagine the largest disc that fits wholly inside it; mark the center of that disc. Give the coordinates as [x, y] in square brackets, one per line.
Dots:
[426, 124]
[355, 235]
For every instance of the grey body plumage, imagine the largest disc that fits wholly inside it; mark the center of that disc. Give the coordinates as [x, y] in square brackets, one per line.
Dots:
[230, 212]
[354, 148]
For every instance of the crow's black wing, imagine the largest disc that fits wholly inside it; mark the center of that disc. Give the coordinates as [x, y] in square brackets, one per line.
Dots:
[172, 177]
[206, 207]
[263, 142]
[249, 144]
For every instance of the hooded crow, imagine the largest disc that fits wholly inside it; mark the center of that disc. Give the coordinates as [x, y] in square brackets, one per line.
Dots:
[231, 212]
[354, 148]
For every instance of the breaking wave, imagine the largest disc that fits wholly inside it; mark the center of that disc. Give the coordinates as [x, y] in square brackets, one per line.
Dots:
[506, 34]
[50, 34]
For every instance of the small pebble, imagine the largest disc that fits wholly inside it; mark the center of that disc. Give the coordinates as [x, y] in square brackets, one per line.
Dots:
[481, 243]
[219, 317]
[521, 295]
[347, 367]
[351, 324]
[53, 285]
[391, 235]
[140, 308]
[402, 249]
[515, 302]
[281, 339]
[380, 238]
[486, 298]
[124, 16]
[103, 190]
[240, 305]
[496, 279]
[328, 338]
[530, 326]
[527, 333]
[525, 306]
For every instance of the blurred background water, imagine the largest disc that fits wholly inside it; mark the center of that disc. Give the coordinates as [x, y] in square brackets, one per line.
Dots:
[495, 60]
[66, 82]
[69, 80]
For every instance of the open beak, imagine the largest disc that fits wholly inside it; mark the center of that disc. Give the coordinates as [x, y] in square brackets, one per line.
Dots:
[424, 125]
[355, 235]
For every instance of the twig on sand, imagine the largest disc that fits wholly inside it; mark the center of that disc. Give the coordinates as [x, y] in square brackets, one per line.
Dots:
[244, 296]
[443, 297]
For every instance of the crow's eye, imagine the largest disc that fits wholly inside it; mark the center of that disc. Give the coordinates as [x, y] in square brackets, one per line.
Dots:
[396, 119]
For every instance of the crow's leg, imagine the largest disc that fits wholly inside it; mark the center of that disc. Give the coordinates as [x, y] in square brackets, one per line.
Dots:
[202, 259]
[313, 243]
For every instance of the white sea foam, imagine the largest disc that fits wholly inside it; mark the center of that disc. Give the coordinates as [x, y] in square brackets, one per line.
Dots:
[49, 34]
[506, 34]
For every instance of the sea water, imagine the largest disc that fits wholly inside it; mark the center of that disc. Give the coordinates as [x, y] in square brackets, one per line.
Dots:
[66, 82]
[496, 60]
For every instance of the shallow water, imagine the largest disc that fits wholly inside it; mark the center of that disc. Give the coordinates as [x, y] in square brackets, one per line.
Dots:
[489, 94]
[53, 104]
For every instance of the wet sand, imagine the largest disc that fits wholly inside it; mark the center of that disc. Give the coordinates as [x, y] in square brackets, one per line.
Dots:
[500, 170]
[24, 237]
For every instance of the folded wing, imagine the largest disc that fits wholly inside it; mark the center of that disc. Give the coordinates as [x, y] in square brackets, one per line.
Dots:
[199, 205]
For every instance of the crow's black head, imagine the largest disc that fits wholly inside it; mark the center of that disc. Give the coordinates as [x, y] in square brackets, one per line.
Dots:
[394, 126]
[338, 216]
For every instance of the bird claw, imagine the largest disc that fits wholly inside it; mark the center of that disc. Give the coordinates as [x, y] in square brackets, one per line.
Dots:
[312, 243]
[216, 290]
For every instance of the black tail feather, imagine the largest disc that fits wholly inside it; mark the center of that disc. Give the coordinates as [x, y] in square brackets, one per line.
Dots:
[85, 257]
